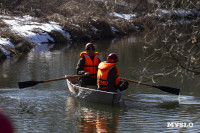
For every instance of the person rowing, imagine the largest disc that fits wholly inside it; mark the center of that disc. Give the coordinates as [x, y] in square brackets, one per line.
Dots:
[108, 75]
[88, 65]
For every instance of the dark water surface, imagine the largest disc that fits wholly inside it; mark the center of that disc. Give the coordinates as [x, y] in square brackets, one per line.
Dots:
[49, 107]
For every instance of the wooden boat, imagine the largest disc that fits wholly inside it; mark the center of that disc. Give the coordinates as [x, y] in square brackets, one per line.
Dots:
[90, 93]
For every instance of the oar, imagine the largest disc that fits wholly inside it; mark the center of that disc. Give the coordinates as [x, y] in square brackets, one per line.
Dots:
[32, 83]
[163, 88]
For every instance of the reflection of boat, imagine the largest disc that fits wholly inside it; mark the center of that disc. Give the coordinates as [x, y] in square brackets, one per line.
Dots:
[92, 117]
[90, 93]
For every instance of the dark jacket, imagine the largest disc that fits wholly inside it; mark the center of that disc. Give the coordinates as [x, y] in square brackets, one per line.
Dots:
[111, 81]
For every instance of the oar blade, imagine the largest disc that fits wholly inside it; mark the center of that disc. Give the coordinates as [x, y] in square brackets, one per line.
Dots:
[28, 84]
[168, 89]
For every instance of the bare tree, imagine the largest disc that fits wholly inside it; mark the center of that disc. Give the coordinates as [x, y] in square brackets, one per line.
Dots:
[175, 37]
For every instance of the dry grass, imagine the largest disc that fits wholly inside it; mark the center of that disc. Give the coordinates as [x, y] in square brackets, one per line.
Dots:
[58, 37]
[84, 20]
[2, 24]
[21, 44]
[79, 17]
[123, 26]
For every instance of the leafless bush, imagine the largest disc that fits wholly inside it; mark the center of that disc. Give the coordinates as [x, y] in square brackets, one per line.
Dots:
[123, 26]
[2, 25]
[58, 37]
[88, 20]
[83, 19]
[175, 39]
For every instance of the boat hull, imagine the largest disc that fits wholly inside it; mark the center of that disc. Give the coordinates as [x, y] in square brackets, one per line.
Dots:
[91, 94]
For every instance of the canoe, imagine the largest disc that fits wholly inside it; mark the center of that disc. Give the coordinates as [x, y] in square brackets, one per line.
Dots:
[91, 94]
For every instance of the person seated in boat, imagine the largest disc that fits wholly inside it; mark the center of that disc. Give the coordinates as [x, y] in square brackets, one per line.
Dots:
[88, 65]
[108, 75]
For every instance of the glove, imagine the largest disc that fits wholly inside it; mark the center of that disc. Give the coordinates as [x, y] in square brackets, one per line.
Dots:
[124, 86]
[87, 74]
[81, 72]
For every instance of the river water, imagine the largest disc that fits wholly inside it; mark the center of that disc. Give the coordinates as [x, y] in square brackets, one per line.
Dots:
[49, 107]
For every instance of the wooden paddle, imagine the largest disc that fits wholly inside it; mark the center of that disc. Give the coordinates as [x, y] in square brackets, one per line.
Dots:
[163, 88]
[32, 83]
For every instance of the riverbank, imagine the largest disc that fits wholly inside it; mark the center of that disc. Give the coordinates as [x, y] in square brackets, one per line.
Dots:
[72, 21]
[20, 34]
[25, 24]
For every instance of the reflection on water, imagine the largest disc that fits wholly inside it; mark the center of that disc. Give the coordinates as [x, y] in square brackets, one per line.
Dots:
[93, 117]
[49, 108]
[134, 115]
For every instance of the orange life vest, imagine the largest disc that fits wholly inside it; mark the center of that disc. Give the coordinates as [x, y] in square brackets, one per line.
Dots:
[102, 74]
[91, 66]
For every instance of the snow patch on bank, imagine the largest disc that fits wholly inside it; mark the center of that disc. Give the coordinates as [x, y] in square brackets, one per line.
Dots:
[127, 17]
[114, 29]
[30, 29]
[6, 42]
[162, 13]
[33, 31]
[124, 16]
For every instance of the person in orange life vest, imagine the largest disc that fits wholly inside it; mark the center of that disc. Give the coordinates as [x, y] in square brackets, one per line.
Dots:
[88, 65]
[108, 75]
